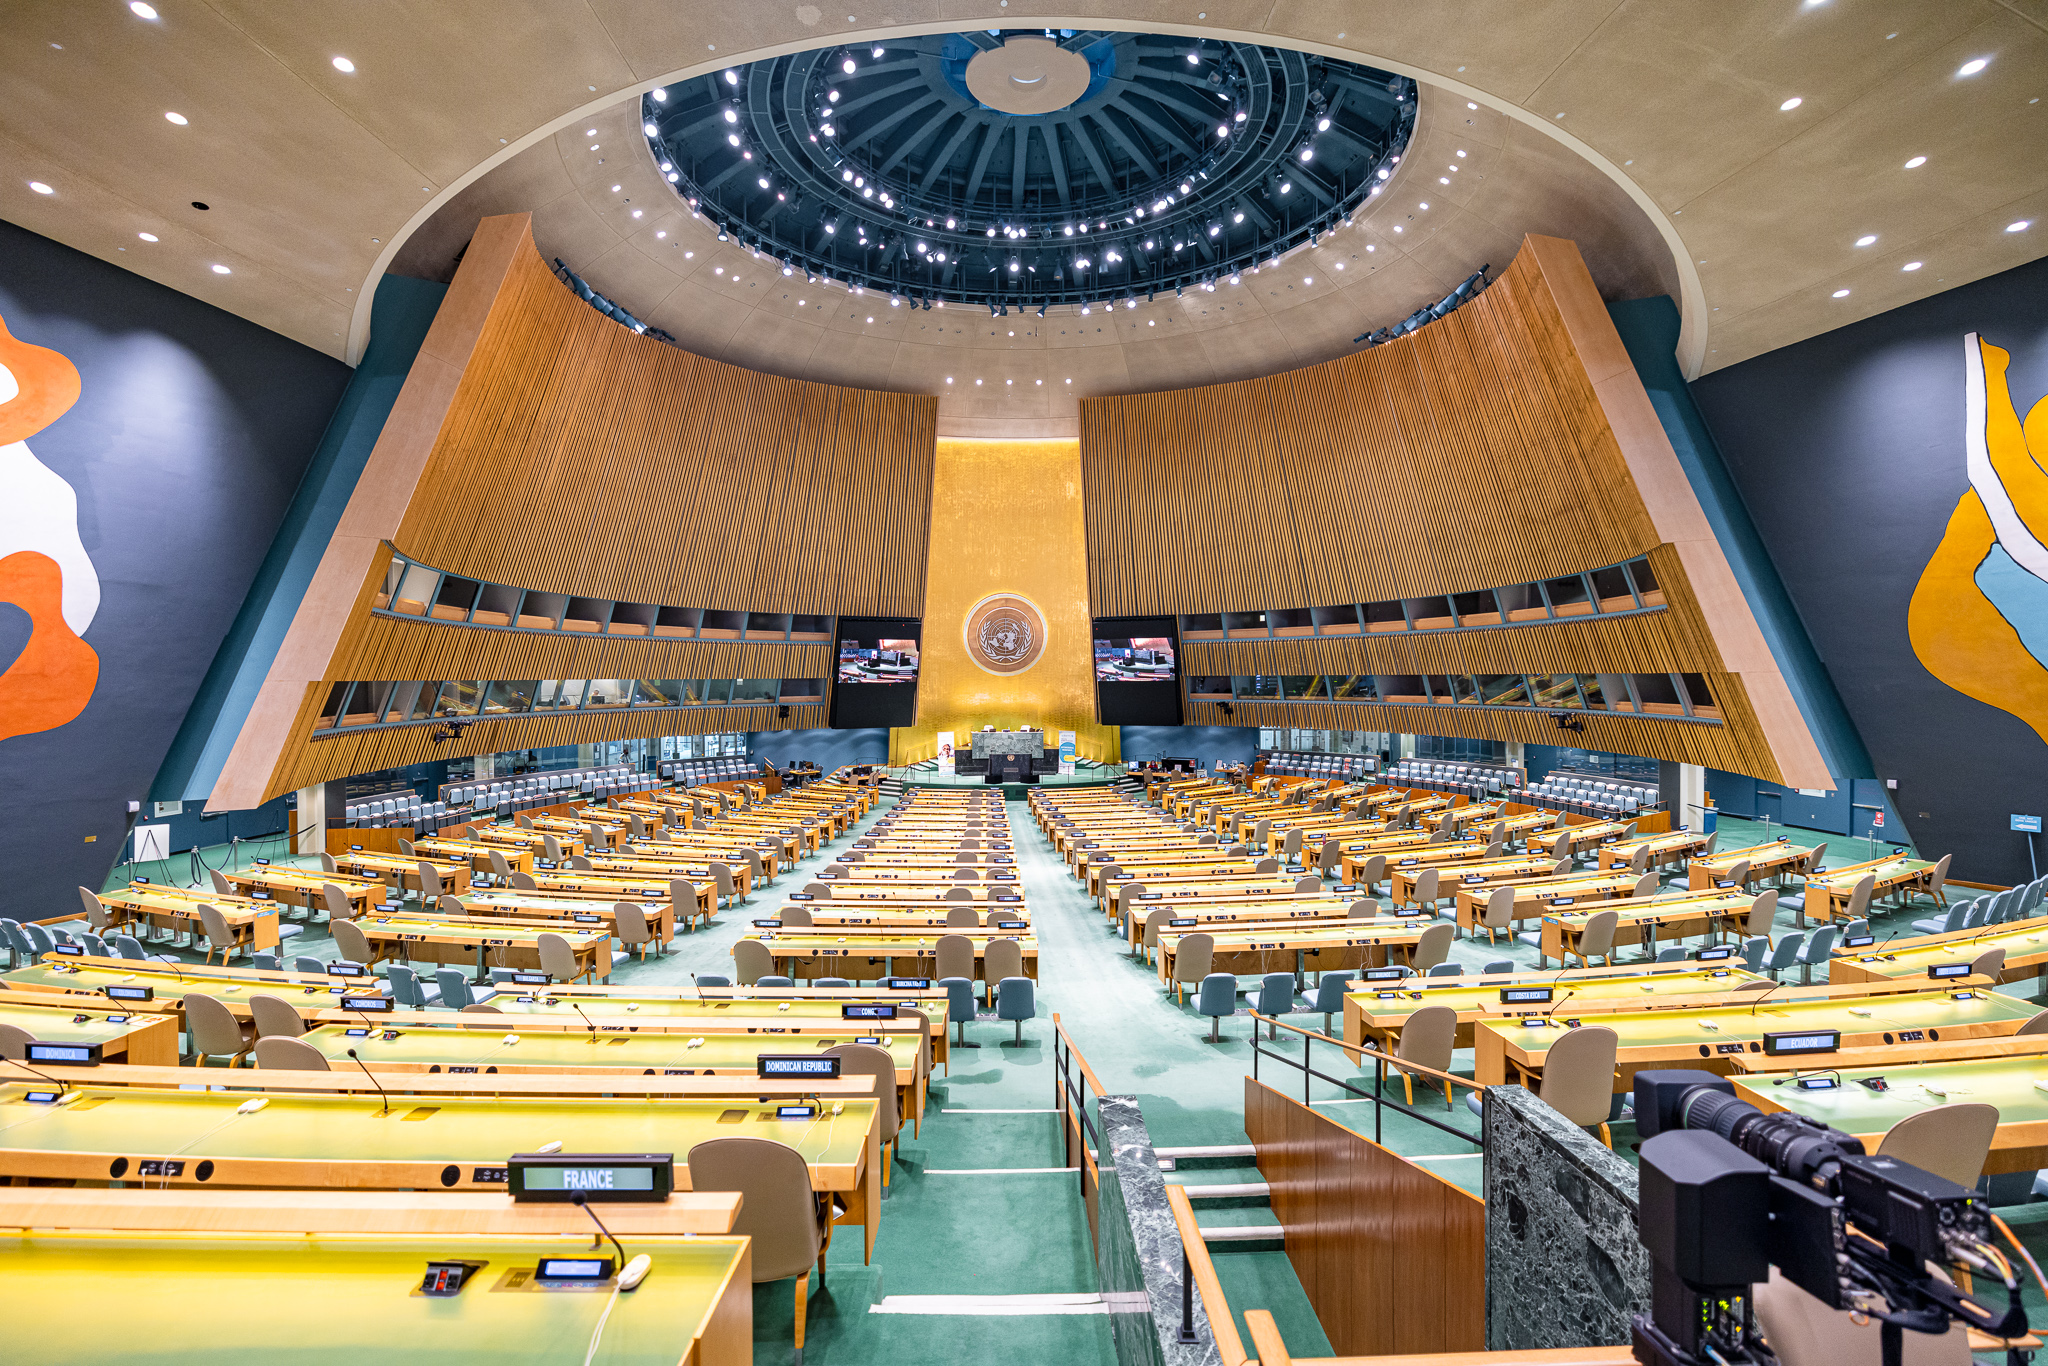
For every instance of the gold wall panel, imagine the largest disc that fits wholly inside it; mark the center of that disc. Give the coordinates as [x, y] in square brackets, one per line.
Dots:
[1006, 518]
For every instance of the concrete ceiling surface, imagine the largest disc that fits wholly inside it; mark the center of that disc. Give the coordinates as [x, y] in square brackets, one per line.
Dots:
[1652, 132]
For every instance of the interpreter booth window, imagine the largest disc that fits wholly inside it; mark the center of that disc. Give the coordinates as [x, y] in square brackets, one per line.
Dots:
[717, 691]
[459, 697]
[560, 694]
[496, 605]
[1476, 609]
[1696, 692]
[509, 698]
[1503, 690]
[632, 619]
[1646, 583]
[543, 611]
[608, 694]
[657, 692]
[415, 590]
[1202, 626]
[1610, 587]
[1340, 619]
[1556, 690]
[754, 690]
[1522, 602]
[1430, 614]
[1569, 596]
[1385, 616]
[1356, 688]
[806, 691]
[1657, 694]
[1256, 685]
[330, 710]
[1396, 689]
[1301, 687]
[1209, 687]
[455, 597]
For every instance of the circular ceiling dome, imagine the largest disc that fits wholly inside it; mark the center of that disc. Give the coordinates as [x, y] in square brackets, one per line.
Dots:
[1030, 168]
[1027, 76]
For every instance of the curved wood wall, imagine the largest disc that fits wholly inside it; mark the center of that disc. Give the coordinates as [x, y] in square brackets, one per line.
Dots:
[576, 456]
[1477, 452]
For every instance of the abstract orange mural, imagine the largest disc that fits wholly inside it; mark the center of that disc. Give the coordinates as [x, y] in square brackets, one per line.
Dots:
[1979, 616]
[44, 569]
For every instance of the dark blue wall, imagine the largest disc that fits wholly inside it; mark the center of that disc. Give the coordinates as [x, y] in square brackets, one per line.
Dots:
[1848, 452]
[828, 749]
[191, 433]
[404, 311]
[1211, 744]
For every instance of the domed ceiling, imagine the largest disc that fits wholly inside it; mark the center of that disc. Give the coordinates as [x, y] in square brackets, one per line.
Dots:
[1030, 169]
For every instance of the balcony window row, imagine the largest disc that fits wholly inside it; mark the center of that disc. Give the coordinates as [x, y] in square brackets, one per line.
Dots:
[1684, 695]
[411, 589]
[1629, 587]
[410, 703]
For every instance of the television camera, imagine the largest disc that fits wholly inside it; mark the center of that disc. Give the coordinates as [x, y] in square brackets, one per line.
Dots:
[1729, 1191]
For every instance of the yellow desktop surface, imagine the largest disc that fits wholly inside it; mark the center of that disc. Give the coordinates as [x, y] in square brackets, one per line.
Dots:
[170, 985]
[490, 1049]
[101, 1024]
[318, 1140]
[186, 1299]
[1393, 1002]
[2012, 1084]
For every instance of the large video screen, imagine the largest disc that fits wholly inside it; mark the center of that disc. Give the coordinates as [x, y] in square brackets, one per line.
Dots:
[875, 682]
[1137, 672]
[1134, 659]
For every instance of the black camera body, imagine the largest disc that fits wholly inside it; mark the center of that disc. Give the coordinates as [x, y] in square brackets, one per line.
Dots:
[1728, 1192]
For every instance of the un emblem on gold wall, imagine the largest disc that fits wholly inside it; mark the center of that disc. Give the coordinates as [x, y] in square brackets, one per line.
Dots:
[1004, 634]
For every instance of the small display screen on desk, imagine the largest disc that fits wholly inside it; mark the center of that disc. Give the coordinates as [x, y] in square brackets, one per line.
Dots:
[1806, 1041]
[784, 1065]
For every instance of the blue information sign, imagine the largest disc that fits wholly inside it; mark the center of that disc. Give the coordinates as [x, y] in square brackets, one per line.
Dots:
[2030, 824]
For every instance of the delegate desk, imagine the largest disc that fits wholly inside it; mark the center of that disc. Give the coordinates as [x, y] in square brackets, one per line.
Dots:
[866, 955]
[2013, 1084]
[578, 912]
[1649, 921]
[1567, 840]
[2025, 943]
[470, 1047]
[824, 917]
[168, 984]
[401, 870]
[478, 852]
[1706, 1038]
[1207, 915]
[1827, 894]
[1157, 870]
[1257, 950]
[1484, 813]
[1539, 896]
[638, 868]
[123, 1036]
[1408, 844]
[506, 944]
[1675, 847]
[916, 891]
[254, 922]
[1376, 1015]
[168, 1138]
[599, 887]
[1401, 879]
[303, 1295]
[1240, 886]
[302, 887]
[1775, 859]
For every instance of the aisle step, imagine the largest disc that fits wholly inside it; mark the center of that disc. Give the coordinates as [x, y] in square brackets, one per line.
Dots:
[1243, 1190]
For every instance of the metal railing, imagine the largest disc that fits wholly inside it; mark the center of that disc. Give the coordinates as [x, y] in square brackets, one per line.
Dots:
[1359, 1053]
[1074, 1083]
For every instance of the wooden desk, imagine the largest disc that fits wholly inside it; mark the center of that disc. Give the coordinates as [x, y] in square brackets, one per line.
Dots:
[300, 887]
[1827, 895]
[1537, 897]
[862, 957]
[1705, 1038]
[124, 1036]
[1674, 847]
[2025, 943]
[255, 923]
[454, 873]
[1378, 1012]
[507, 944]
[1454, 874]
[300, 1141]
[1775, 859]
[1301, 948]
[199, 1210]
[529, 906]
[478, 852]
[1652, 919]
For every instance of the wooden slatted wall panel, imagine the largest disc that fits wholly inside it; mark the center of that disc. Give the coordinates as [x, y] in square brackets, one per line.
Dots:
[365, 752]
[580, 457]
[389, 649]
[1730, 747]
[1471, 454]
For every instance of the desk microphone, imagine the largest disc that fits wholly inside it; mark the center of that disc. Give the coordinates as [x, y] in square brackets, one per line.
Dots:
[62, 1086]
[630, 1273]
[1762, 994]
[1560, 1001]
[586, 1019]
[373, 1081]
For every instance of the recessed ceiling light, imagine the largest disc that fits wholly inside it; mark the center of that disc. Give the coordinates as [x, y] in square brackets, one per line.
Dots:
[175, 117]
[147, 236]
[949, 379]
[145, 11]
[2020, 226]
[1470, 105]
[222, 270]
[1910, 265]
[1792, 103]
[1866, 239]
[1973, 66]
[343, 64]
[1070, 381]
[40, 188]
[1308, 279]
[1916, 161]
[1841, 294]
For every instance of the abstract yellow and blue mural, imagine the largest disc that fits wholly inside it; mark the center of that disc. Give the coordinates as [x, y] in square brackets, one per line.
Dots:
[1979, 616]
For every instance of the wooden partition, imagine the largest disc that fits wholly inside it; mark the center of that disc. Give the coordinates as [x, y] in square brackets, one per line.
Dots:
[1507, 443]
[1392, 1256]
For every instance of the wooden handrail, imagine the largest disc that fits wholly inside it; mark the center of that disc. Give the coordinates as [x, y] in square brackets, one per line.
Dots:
[1361, 1051]
[1266, 1338]
[1223, 1327]
[1087, 1072]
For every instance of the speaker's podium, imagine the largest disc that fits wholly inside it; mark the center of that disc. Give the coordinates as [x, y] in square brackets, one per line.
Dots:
[1010, 768]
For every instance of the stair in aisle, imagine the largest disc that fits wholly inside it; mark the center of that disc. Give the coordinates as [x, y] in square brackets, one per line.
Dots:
[1232, 1201]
